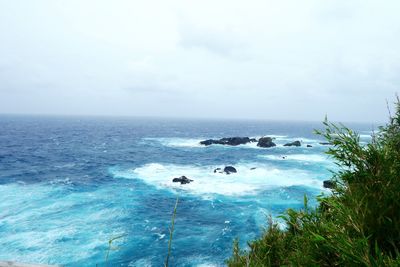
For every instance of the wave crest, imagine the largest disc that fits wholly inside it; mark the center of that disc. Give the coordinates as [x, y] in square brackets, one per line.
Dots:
[249, 180]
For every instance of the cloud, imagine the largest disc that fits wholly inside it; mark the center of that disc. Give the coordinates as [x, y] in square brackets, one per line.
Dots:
[256, 59]
[220, 42]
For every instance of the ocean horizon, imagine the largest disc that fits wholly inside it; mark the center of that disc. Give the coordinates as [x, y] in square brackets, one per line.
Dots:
[70, 184]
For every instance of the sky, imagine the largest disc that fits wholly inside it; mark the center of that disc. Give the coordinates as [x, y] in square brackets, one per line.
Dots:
[264, 60]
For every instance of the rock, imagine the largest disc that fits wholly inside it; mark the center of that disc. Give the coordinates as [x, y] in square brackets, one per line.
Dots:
[309, 145]
[329, 184]
[235, 141]
[295, 143]
[265, 142]
[207, 142]
[226, 170]
[253, 168]
[230, 141]
[229, 170]
[182, 180]
[325, 143]
[217, 170]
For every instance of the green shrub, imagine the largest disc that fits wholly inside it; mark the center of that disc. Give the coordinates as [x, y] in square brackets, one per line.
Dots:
[357, 225]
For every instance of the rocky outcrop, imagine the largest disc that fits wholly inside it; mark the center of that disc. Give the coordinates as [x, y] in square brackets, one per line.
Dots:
[226, 170]
[295, 143]
[229, 170]
[265, 142]
[230, 141]
[209, 142]
[329, 184]
[182, 180]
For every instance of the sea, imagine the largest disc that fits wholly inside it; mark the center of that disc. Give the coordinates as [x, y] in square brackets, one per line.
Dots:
[98, 191]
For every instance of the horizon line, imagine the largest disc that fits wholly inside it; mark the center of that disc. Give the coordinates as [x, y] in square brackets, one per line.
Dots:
[152, 117]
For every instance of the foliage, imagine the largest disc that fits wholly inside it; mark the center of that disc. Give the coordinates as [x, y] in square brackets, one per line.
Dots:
[357, 225]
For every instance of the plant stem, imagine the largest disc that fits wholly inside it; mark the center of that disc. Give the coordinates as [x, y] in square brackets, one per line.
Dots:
[171, 231]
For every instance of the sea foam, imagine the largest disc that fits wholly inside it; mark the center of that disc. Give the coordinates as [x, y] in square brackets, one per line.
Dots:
[247, 181]
[299, 157]
[42, 222]
[177, 142]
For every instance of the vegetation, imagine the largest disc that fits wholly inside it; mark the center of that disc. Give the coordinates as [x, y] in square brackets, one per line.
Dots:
[357, 225]
[171, 232]
[110, 247]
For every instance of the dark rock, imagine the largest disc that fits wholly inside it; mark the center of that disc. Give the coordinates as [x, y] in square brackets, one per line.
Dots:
[265, 142]
[325, 143]
[329, 184]
[235, 141]
[229, 170]
[226, 170]
[230, 141]
[309, 145]
[207, 142]
[295, 143]
[217, 170]
[182, 180]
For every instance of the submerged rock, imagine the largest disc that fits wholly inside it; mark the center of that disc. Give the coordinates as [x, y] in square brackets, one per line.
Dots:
[218, 170]
[183, 180]
[325, 143]
[295, 143]
[265, 142]
[329, 184]
[229, 170]
[230, 141]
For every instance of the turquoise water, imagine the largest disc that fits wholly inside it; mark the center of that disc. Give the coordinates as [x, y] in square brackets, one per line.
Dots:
[68, 185]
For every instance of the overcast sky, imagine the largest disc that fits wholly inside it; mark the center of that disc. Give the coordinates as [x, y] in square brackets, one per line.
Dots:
[291, 60]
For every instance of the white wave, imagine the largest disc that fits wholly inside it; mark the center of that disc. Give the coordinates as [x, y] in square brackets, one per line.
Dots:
[178, 142]
[207, 265]
[299, 157]
[36, 216]
[141, 263]
[246, 181]
[280, 140]
[193, 143]
[276, 136]
[303, 140]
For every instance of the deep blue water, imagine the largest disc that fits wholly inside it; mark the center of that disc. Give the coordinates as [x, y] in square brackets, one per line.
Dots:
[68, 185]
